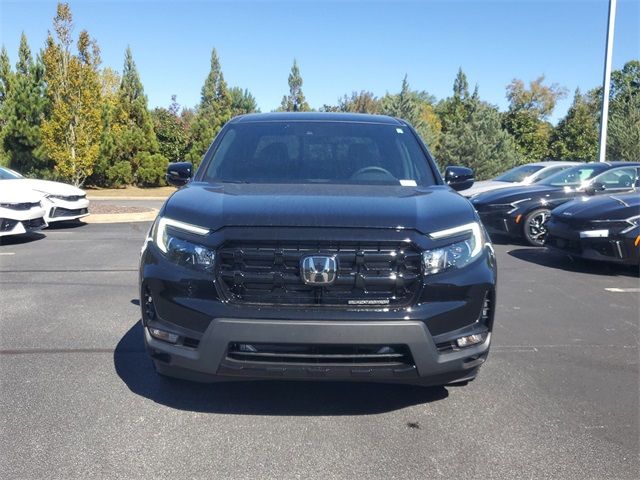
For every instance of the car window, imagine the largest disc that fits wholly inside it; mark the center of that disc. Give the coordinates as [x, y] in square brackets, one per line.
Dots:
[574, 176]
[318, 152]
[8, 174]
[547, 172]
[518, 174]
[617, 178]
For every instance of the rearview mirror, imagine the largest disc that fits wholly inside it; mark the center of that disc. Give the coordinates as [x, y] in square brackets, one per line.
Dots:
[459, 178]
[179, 173]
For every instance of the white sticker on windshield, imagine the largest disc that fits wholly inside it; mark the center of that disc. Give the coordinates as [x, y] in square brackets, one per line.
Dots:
[399, 130]
[408, 183]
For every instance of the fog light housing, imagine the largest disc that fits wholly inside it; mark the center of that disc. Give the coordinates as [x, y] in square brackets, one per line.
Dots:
[163, 335]
[470, 340]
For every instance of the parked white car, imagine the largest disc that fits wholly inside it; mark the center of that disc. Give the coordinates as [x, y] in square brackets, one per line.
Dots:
[61, 201]
[20, 210]
[520, 175]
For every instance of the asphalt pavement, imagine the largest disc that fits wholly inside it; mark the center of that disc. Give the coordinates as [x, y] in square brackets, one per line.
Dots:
[557, 398]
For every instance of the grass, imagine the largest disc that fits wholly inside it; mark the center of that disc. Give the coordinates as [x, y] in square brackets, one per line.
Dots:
[130, 192]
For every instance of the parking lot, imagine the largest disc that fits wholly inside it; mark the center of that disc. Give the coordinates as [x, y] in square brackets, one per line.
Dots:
[558, 397]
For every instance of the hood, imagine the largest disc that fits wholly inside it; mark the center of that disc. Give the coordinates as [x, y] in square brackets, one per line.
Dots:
[485, 186]
[425, 209]
[608, 207]
[11, 192]
[511, 194]
[48, 187]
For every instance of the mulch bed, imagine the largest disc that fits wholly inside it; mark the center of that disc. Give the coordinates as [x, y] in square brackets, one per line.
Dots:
[100, 208]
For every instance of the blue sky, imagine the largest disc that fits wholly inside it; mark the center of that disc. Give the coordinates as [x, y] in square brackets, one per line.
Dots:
[343, 46]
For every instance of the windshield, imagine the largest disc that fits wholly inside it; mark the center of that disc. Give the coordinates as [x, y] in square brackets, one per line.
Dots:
[575, 176]
[7, 174]
[319, 152]
[518, 174]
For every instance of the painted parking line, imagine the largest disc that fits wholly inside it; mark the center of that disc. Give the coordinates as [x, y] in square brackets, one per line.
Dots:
[7, 253]
[623, 290]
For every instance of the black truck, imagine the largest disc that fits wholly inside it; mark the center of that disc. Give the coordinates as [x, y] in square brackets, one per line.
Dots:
[318, 246]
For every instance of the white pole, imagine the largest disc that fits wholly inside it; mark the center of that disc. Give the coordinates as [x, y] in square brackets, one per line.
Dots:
[606, 82]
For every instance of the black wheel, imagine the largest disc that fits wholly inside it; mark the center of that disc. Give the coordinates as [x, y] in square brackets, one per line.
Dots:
[534, 227]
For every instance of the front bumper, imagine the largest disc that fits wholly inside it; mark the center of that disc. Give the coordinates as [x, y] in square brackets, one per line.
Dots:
[16, 222]
[61, 210]
[210, 360]
[500, 223]
[614, 248]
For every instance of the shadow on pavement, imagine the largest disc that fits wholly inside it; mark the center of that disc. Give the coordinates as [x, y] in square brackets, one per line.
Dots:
[546, 258]
[66, 225]
[261, 398]
[20, 239]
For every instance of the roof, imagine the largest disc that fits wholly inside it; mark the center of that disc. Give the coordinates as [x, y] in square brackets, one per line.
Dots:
[317, 117]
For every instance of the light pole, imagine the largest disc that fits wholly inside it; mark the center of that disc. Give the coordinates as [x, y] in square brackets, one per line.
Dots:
[606, 82]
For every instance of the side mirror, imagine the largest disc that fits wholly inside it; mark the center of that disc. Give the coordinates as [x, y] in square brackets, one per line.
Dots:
[594, 188]
[459, 178]
[179, 173]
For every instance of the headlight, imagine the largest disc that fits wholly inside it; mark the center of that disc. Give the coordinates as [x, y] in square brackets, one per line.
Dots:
[454, 255]
[180, 251]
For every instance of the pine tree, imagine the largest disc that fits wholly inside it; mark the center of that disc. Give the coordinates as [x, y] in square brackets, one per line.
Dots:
[5, 75]
[295, 101]
[214, 111]
[23, 111]
[623, 136]
[576, 135]
[71, 133]
[472, 134]
[242, 102]
[132, 127]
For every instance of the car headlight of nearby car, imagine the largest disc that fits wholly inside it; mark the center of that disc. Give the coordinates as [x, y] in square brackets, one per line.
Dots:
[633, 223]
[179, 250]
[456, 254]
[515, 205]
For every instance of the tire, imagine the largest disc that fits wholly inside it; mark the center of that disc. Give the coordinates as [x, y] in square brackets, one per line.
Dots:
[534, 230]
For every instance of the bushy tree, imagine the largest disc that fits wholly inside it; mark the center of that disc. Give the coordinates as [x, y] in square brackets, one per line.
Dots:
[472, 134]
[526, 119]
[295, 101]
[172, 131]
[22, 113]
[151, 169]
[5, 74]
[213, 111]
[359, 102]
[132, 125]
[623, 136]
[71, 133]
[576, 135]
[242, 102]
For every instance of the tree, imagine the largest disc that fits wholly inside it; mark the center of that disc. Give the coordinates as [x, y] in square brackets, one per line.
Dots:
[526, 119]
[71, 133]
[5, 75]
[171, 131]
[242, 102]
[213, 111]
[23, 111]
[623, 136]
[295, 101]
[133, 127]
[472, 134]
[402, 105]
[359, 102]
[576, 135]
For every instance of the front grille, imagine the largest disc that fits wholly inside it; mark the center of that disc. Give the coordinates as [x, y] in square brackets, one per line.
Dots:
[34, 223]
[66, 212]
[361, 355]
[20, 206]
[7, 224]
[368, 275]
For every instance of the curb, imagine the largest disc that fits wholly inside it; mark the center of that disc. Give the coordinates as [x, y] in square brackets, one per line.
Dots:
[122, 217]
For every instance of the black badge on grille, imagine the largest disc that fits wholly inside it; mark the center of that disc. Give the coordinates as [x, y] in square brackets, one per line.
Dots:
[318, 269]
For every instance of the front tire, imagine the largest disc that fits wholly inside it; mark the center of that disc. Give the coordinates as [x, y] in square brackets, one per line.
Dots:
[534, 227]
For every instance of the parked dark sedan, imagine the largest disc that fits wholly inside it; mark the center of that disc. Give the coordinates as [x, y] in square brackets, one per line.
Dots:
[598, 228]
[522, 212]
